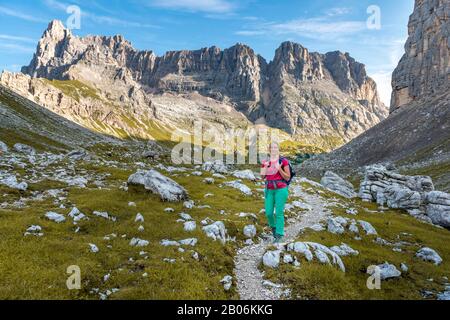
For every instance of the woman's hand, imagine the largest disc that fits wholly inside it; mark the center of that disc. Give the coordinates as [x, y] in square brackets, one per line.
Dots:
[265, 165]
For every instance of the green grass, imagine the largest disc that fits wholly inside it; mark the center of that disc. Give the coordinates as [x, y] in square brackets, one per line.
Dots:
[75, 89]
[315, 281]
[40, 142]
[35, 268]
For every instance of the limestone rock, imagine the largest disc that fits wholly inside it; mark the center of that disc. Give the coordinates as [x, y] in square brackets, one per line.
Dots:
[56, 217]
[190, 226]
[23, 148]
[159, 184]
[386, 271]
[136, 242]
[227, 281]
[423, 69]
[250, 231]
[367, 227]
[216, 231]
[271, 259]
[334, 226]
[428, 254]
[245, 174]
[11, 182]
[438, 208]
[239, 186]
[344, 250]
[337, 184]
[3, 147]
[216, 166]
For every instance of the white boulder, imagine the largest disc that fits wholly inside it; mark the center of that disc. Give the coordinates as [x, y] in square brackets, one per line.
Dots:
[245, 174]
[271, 259]
[136, 242]
[23, 148]
[386, 271]
[190, 226]
[250, 231]
[428, 254]
[56, 217]
[344, 250]
[159, 184]
[216, 231]
[239, 186]
[335, 183]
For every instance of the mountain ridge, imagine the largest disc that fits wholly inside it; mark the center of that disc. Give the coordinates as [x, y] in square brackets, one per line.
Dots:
[321, 99]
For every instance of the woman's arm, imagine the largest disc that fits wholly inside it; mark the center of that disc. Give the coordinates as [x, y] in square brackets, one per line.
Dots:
[284, 172]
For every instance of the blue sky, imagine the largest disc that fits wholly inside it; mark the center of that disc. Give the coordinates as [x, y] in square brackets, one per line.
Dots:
[163, 25]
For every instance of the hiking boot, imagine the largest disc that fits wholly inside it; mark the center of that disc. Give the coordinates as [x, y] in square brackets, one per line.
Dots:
[274, 232]
[278, 238]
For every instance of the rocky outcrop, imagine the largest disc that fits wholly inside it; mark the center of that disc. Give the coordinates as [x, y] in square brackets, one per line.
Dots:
[335, 183]
[413, 193]
[438, 207]
[319, 98]
[159, 184]
[325, 99]
[424, 68]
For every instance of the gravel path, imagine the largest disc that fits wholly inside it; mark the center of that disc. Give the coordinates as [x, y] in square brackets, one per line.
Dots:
[250, 281]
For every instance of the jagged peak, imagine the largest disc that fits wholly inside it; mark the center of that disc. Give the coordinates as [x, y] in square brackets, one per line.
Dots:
[56, 30]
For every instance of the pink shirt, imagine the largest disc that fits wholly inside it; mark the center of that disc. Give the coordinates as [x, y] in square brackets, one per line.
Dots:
[276, 176]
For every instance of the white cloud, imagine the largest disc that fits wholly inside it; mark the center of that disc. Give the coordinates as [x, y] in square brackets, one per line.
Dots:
[14, 48]
[338, 11]
[98, 19]
[322, 28]
[16, 38]
[20, 15]
[208, 6]
[318, 27]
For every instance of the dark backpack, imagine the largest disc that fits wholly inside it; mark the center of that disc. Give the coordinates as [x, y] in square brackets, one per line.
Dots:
[291, 170]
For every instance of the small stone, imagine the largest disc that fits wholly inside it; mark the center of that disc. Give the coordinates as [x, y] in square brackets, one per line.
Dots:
[93, 248]
[56, 217]
[136, 242]
[250, 231]
[139, 218]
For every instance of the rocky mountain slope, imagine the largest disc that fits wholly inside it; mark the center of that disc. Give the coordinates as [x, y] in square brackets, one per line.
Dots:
[22, 121]
[416, 133]
[323, 99]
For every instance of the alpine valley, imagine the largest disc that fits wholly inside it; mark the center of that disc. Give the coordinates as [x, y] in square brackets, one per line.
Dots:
[93, 207]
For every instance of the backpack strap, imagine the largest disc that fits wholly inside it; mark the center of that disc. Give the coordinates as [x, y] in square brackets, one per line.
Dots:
[280, 160]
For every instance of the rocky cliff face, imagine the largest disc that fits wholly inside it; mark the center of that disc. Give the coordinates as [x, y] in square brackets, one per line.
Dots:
[313, 95]
[416, 135]
[323, 99]
[424, 69]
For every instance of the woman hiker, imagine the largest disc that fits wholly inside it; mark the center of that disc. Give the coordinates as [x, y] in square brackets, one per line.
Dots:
[276, 172]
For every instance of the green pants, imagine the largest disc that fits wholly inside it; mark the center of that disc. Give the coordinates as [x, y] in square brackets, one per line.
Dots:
[276, 199]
